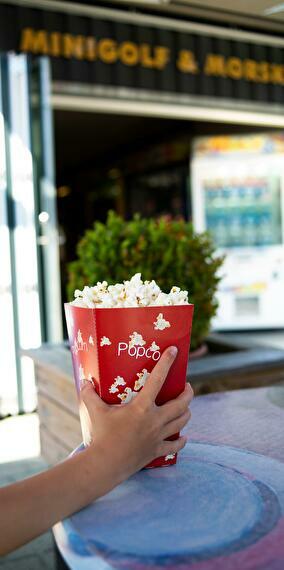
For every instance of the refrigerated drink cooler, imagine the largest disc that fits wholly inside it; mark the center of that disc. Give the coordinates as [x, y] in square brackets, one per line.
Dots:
[238, 196]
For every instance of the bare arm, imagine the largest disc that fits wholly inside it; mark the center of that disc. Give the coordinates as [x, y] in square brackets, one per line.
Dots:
[30, 507]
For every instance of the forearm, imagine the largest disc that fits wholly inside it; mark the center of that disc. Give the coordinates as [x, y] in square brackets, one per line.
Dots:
[28, 508]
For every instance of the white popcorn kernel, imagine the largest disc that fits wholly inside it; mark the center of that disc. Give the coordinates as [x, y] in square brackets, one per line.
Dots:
[135, 280]
[79, 302]
[170, 456]
[161, 300]
[142, 378]
[178, 297]
[160, 324]
[113, 389]
[154, 347]
[105, 341]
[136, 339]
[130, 303]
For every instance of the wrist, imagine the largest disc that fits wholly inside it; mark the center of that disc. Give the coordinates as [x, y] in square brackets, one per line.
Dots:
[104, 471]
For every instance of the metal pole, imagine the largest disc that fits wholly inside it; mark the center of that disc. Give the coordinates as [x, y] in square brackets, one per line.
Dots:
[11, 222]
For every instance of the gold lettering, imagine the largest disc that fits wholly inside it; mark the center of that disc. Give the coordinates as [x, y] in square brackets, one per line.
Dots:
[162, 56]
[129, 53]
[34, 41]
[90, 48]
[55, 47]
[186, 61]
[73, 46]
[146, 59]
[277, 73]
[263, 72]
[234, 68]
[250, 71]
[107, 50]
[215, 65]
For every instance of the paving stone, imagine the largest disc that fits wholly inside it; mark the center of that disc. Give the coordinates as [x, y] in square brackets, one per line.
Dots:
[39, 545]
[49, 560]
[24, 563]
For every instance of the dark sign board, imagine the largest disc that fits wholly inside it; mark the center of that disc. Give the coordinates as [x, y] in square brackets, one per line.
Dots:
[107, 52]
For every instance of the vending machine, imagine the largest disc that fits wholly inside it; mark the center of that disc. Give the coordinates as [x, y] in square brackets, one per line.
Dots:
[237, 187]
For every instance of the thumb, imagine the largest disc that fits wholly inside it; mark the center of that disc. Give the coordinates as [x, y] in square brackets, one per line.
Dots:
[90, 397]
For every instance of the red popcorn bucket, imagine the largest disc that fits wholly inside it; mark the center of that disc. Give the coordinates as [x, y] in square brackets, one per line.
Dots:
[117, 348]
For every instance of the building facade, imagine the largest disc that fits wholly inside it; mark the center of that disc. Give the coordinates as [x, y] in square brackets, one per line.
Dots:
[99, 107]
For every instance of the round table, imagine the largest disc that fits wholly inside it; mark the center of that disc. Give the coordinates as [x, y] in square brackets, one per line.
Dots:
[221, 506]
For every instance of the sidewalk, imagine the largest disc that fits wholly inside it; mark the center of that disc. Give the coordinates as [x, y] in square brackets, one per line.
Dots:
[19, 458]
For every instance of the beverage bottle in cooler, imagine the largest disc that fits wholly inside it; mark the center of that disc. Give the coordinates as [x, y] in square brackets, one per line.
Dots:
[264, 230]
[235, 231]
[221, 232]
[249, 231]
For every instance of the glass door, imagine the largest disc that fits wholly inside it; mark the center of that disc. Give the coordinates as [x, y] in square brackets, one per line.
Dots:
[28, 235]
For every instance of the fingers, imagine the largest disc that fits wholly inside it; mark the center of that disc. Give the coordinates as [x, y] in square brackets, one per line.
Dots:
[159, 374]
[90, 397]
[170, 447]
[175, 408]
[176, 425]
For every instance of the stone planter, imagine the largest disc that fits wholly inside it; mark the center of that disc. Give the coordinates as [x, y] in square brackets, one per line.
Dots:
[230, 364]
[227, 365]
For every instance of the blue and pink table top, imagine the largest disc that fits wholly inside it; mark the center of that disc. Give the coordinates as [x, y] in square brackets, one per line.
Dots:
[221, 506]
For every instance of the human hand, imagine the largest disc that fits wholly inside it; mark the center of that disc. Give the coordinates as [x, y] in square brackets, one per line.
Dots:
[130, 436]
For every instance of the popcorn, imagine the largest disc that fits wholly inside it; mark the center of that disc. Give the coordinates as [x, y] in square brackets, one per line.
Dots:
[178, 297]
[160, 324]
[132, 293]
[170, 456]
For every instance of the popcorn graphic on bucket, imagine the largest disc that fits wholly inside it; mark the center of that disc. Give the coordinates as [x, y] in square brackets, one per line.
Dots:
[117, 333]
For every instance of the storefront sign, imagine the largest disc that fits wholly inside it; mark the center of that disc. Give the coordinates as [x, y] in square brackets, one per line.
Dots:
[108, 52]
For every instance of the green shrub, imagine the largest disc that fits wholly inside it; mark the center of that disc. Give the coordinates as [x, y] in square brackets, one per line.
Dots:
[165, 250]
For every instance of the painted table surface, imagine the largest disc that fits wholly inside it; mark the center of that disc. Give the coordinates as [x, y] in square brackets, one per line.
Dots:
[220, 507]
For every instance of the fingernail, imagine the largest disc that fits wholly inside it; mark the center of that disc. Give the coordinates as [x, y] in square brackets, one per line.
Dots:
[173, 351]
